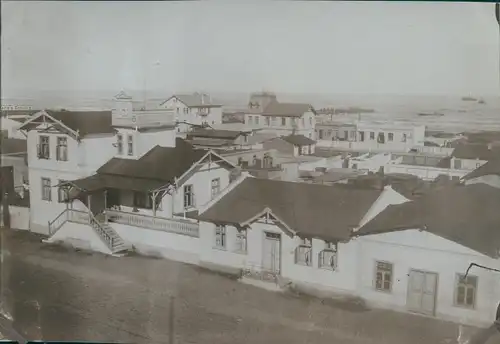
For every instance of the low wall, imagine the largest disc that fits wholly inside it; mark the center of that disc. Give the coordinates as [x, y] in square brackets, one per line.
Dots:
[19, 217]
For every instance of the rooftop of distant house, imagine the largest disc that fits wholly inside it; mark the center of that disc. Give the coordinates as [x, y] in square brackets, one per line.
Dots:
[476, 151]
[450, 212]
[298, 140]
[12, 146]
[492, 167]
[196, 100]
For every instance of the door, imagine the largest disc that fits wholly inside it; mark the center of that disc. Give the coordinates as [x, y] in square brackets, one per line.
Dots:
[271, 259]
[422, 288]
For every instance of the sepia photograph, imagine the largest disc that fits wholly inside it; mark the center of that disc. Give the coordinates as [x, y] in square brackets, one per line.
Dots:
[220, 172]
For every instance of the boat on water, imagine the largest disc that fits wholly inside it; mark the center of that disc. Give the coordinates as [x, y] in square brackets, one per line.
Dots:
[469, 99]
[431, 114]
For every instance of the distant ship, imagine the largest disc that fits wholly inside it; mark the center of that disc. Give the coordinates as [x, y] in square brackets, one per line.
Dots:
[481, 101]
[433, 114]
[469, 99]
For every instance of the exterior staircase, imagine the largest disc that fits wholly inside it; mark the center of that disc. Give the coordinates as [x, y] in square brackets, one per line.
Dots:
[106, 233]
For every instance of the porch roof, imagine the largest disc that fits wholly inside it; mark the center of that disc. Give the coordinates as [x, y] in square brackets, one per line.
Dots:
[102, 181]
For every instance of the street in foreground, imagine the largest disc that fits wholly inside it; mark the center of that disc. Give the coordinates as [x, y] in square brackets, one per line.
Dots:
[64, 295]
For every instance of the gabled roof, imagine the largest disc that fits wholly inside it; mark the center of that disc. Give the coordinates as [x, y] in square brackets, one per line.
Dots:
[492, 167]
[467, 215]
[328, 212]
[195, 100]
[160, 163]
[13, 146]
[83, 122]
[298, 140]
[276, 108]
[476, 151]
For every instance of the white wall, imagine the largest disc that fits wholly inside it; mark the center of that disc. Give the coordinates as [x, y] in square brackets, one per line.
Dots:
[201, 181]
[159, 243]
[80, 236]
[424, 172]
[413, 249]
[468, 164]
[304, 125]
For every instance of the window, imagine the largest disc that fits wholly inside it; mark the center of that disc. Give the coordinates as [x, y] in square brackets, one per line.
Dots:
[257, 120]
[267, 161]
[119, 144]
[250, 118]
[283, 121]
[346, 135]
[130, 145]
[303, 122]
[303, 253]
[241, 240]
[186, 110]
[311, 121]
[457, 164]
[328, 256]
[62, 149]
[44, 147]
[46, 189]
[372, 135]
[142, 200]
[320, 134]
[465, 294]
[403, 138]
[220, 236]
[267, 121]
[188, 196]
[215, 187]
[383, 276]
[62, 193]
[177, 110]
[361, 136]
[390, 137]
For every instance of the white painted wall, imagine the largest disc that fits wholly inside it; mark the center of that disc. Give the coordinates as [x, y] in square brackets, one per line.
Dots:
[201, 181]
[413, 249]
[19, 217]
[372, 163]
[468, 164]
[80, 236]
[304, 125]
[424, 172]
[159, 243]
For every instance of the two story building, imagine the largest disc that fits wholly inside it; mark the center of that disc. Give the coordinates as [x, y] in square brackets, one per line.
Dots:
[265, 112]
[193, 110]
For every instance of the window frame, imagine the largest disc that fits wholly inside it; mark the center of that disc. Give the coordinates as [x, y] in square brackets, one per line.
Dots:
[220, 237]
[62, 191]
[390, 137]
[217, 187]
[44, 141]
[391, 279]
[119, 144]
[46, 183]
[62, 154]
[241, 241]
[304, 248]
[330, 247]
[130, 145]
[459, 280]
[191, 196]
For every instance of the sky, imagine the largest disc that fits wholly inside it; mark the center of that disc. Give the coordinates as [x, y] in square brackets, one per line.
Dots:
[244, 46]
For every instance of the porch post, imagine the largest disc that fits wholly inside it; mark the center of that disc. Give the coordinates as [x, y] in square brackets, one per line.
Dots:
[88, 206]
[105, 206]
[153, 195]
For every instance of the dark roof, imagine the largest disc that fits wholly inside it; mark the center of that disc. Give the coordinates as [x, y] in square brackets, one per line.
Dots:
[197, 100]
[409, 186]
[160, 163]
[490, 168]
[276, 108]
[215, 133]
[86, 122]
[12, 146]
[298, 140]
[467, 215]
[476, 151]
[328, 212]
[106, 181]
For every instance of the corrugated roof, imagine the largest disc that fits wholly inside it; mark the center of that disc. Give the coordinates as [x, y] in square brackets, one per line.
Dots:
[286, 109]
[328, 212]
[467, 215]
[197, 100]
[86, 122]
[476, 151]
[298, 140]
[492, 167]
[160, 163]
[12, 145]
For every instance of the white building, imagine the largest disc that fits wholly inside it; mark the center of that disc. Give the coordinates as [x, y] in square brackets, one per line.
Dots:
[289, 232]
[414, 256]
[374, 136]
[266, 113]
[197, 109]
[68, 145]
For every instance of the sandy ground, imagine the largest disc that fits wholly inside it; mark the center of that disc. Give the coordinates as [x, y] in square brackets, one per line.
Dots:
[59, 294]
